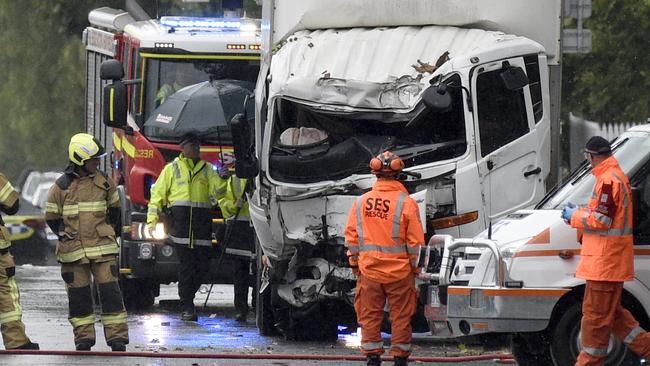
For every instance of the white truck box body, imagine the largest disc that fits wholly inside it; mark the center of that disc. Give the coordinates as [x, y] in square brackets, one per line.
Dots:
[528, 18]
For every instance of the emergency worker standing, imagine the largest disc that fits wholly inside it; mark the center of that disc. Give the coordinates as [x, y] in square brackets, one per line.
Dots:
[188, 186]
[384, 236]
[11, 324]
[606, 258]
[83, 208]
[240, 241]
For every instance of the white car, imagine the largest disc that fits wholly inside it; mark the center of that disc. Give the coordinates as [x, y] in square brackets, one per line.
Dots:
[519, 276]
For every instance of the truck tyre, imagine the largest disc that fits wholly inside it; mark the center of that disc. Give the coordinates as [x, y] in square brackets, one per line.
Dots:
[565, 342]
[531, 349]
[263, 306]
[138, 294]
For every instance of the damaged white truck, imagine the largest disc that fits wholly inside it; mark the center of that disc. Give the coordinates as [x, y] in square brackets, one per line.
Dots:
[519, 276]
[465, 93]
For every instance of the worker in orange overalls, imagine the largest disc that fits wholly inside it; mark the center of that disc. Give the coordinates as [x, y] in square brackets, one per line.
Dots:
[384, 236]
[606, 258]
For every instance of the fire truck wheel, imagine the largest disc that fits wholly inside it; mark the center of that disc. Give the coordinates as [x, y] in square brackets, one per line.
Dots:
[565, 342]
[138, 294]
[531, 349]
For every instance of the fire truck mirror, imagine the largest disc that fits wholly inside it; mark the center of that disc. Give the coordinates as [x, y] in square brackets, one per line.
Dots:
[114, 106]
[111, 70]
[246, 165]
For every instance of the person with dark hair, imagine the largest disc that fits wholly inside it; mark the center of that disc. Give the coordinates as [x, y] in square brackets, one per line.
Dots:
[83, 207]
[606, 258]
[11, 324]
[384, 236]
[189, 187]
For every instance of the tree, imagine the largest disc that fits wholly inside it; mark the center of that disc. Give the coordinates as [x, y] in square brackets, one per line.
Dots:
[612, 83]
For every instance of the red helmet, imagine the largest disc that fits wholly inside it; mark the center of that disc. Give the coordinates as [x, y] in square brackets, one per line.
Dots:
[386, 164]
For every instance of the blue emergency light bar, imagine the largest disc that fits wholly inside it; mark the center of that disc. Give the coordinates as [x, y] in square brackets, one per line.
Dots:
[196, 23]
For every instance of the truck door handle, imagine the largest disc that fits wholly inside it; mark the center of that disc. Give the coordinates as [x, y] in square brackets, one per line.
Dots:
[532, 172]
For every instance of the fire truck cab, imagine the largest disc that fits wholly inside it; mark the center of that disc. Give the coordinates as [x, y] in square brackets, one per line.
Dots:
[158, 58]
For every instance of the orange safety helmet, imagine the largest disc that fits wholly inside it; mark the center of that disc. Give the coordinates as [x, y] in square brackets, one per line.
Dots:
[386, 164]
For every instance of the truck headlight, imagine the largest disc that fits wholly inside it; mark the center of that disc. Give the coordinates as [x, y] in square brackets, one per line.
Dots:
[139, 231]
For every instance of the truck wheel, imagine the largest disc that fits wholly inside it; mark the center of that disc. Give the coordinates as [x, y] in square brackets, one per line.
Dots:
[263, 306]
[565, 343]
[138, 294]
[316, 326]
[531, 349]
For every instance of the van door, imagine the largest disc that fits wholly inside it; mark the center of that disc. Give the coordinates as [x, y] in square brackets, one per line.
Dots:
[508, 159]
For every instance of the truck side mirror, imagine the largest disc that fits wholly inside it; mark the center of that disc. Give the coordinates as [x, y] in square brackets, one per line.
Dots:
[437, 97]
[114, 105]
[114, 94]
[246, 164]
[111, 70]
[514, 78]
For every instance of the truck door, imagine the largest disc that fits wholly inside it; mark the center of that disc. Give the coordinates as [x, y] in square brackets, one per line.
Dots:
[508, 160]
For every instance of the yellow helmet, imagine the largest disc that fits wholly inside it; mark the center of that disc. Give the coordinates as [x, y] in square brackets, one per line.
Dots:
[84, 147]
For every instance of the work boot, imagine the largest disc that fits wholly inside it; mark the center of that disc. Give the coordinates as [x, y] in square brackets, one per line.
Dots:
[401, 361]
[373, 360]
[241, 317]
[29, 345]
[118, 346]
[189, 316]
[84, 345]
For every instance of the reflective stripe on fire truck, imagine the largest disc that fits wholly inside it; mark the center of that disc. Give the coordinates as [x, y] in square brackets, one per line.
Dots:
[202, 57]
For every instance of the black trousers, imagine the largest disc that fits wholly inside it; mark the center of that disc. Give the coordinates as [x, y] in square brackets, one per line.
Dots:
[242, 238]
[194, 265]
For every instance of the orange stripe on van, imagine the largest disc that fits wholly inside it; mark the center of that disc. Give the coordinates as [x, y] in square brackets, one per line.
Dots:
[524, 292]
[545, 253]
[458, 291]
[542, 238]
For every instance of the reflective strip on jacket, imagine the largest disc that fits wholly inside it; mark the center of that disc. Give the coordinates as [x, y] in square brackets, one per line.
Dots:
[189, 190]
[384, 233]
[8, 197]
[607, 252]
[83, 207]
[228, 203]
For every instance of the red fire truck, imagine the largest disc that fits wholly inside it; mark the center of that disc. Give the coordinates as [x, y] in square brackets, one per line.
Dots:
[160, 58]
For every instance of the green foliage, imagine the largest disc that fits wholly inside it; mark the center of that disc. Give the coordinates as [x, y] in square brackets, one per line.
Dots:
[42, 70]
[611, 83]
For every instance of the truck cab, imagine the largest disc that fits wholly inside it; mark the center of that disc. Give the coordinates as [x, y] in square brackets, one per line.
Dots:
[136, 70]
[518, 276]
[463, 98]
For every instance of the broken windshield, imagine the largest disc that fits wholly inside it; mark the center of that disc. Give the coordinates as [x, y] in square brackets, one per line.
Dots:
[311, 144]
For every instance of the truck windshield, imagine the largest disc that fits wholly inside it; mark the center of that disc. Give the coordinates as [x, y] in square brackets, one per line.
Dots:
[630, 153]
[231, 80]
[311, 144]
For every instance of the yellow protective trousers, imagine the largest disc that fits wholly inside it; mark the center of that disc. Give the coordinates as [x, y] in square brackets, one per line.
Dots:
[11, 324]
[78, 279]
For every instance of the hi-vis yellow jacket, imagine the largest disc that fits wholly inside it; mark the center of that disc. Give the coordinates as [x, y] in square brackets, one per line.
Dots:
[8, 197]
[189, 190]
[228, 203]
[83, 203]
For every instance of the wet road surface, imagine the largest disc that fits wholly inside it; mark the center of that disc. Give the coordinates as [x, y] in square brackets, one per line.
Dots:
[159, 331]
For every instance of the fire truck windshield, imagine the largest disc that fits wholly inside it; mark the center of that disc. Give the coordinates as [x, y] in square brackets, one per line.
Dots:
[216, 88]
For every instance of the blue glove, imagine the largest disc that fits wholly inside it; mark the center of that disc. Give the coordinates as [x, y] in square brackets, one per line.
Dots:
[568, 211]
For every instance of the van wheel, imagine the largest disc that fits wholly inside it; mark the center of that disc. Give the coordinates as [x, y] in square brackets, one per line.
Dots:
[565, 343]
[530, 349]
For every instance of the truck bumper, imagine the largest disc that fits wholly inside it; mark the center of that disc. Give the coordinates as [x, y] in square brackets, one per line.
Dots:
[156, 260]
[476, 310]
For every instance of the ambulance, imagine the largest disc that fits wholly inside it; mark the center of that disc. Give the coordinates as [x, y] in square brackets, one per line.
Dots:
[518, 276]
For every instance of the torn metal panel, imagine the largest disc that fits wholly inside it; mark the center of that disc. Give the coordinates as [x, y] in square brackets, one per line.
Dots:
[316, 65]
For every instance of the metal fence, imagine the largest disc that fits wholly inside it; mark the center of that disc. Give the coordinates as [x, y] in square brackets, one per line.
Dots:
[581, 130]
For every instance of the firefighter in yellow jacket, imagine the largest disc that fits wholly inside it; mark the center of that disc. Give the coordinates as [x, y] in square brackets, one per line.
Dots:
[11, 325]
[240, 242]
[189, 187]
[83, 208]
